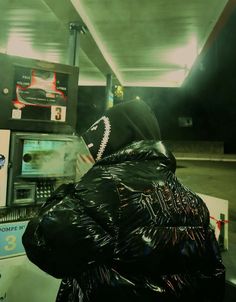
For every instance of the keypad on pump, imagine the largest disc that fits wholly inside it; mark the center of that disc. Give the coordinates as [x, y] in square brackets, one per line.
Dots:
[44, 190]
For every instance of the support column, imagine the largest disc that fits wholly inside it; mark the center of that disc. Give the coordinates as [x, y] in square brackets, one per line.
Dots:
[74, 43]
[108, 93]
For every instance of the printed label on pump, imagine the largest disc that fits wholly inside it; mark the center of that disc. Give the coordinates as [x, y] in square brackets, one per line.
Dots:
[11, 239]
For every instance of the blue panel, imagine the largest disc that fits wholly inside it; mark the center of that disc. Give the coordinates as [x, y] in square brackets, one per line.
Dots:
[10, 239]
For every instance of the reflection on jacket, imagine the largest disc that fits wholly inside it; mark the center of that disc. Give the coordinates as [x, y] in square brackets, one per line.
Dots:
[128, 231]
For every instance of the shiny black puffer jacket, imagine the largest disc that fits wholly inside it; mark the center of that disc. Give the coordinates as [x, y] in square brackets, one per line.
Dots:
[128, 231]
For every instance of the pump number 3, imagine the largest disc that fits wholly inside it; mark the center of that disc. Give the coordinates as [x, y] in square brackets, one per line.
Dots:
[11, 243]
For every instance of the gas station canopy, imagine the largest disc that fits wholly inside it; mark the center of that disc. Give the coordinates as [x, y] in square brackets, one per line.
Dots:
[153, 43]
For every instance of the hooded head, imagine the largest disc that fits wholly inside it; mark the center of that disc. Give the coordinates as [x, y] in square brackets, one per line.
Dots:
[120, 126]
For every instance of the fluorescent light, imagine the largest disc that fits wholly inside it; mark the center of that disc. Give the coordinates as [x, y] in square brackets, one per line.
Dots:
[88, 82]
[20, 45]
[170, 78]
[183, 56]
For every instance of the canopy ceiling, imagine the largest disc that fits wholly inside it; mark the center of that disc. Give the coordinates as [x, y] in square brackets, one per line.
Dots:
[141, 43]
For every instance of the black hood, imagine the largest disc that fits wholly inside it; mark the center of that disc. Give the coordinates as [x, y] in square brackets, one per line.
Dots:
[120, 126]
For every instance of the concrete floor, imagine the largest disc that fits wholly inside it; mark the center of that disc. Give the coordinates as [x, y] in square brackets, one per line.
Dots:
[218, 179]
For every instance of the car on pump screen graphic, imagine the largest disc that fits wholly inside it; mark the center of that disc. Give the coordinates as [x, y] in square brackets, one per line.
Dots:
[39, 88]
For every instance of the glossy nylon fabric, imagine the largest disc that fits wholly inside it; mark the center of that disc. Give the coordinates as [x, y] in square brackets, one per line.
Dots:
[129, 230]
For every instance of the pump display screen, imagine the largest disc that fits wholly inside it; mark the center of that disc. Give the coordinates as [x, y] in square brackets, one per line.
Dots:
[46, 158]
[40, 87]
[40, 94]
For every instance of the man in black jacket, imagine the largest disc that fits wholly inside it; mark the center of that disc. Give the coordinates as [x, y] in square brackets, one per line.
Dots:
[128, 230]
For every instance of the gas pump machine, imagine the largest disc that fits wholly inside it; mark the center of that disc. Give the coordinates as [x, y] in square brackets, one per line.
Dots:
[38, 152]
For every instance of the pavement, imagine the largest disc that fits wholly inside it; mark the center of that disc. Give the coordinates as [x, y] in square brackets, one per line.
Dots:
[214, 175]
